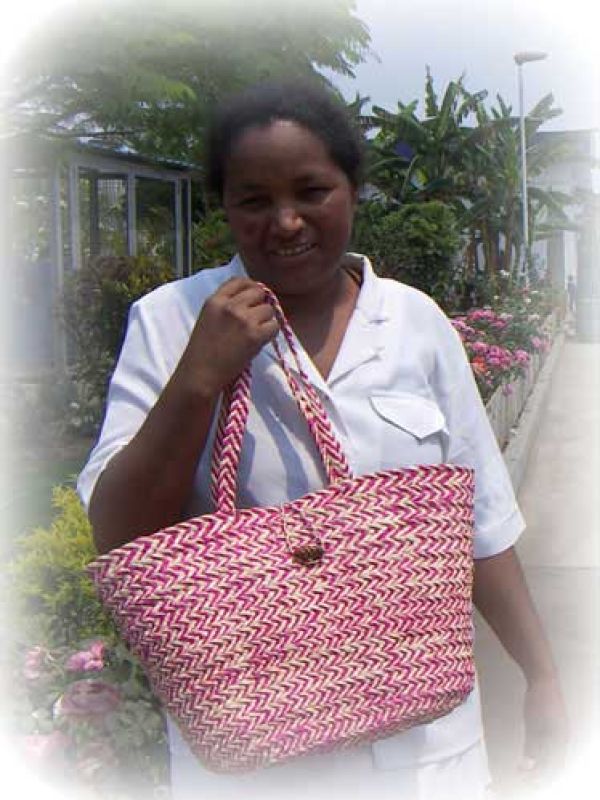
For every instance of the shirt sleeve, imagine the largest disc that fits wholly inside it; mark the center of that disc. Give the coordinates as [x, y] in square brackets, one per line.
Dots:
[137, 381]
[472, 443]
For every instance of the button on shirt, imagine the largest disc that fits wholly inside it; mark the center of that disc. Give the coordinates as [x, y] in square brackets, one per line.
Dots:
[400, 393]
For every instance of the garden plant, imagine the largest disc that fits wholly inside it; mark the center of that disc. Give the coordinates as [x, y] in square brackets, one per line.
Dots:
[82, 714]
[441, 213]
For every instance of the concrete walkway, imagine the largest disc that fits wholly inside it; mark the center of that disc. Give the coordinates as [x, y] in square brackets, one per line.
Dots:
[560, 551]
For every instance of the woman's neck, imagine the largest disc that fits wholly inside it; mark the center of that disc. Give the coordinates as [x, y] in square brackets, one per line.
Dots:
[320, 319]
[320, 300]
[323, 300]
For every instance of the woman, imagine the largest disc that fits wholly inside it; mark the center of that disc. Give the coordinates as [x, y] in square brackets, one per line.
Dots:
[396, 384]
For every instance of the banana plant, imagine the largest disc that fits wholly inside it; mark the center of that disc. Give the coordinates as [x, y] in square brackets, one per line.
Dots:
[469, 157]
[414, 159]
[496, 191]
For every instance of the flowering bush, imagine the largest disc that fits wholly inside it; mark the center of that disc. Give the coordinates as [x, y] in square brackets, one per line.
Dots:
[81, 710]
[87, 717]
[500, 343]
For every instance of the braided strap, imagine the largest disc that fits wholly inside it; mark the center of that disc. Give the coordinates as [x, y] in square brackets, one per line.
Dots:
[233, 416]
[231, 425]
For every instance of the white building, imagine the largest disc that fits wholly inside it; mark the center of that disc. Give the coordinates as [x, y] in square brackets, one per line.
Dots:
[577, 175]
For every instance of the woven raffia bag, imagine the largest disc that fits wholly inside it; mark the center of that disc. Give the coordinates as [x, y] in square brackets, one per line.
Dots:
[340, 617]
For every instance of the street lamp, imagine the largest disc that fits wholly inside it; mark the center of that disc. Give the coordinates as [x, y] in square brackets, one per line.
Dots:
[520, 59]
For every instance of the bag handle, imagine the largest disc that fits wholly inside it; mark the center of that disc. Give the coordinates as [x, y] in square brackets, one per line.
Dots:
[233, 415]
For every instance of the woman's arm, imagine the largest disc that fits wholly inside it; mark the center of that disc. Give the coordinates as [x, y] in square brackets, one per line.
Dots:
[501, 595]
[146, 486]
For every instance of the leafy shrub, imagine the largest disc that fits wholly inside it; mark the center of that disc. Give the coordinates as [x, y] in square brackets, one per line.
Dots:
[212, 241]
[55, 602]
[417, 244]
[95, 305]
[499, 344]
[365, 232]
[525, 302]
[81, 707]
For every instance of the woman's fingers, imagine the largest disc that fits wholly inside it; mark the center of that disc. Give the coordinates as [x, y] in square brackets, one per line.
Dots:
[234, 324]
[546, 730]
[241, 291]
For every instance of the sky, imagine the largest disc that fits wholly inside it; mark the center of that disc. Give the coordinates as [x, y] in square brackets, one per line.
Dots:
[475, 37]
[480, 38]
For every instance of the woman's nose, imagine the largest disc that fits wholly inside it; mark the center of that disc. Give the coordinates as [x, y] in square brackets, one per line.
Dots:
[287, 219]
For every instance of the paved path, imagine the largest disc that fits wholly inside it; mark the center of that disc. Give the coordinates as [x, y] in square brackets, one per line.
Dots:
[560, 551]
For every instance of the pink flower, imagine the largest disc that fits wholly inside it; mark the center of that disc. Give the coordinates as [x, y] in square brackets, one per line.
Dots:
[90, 660]
[521, 357]
[537, 343]
[88, 700]
[465, 331]
[479, 347]
[507, 389]
[482, 314]
[34, 663]
[43, 748]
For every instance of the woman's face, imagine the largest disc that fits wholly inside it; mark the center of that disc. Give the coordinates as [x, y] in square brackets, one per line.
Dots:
[290, 207]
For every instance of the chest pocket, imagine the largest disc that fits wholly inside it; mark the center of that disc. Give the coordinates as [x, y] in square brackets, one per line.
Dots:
[412, 413]
[412, 430]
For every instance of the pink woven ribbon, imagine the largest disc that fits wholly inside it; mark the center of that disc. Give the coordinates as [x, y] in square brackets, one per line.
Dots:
[233, 415]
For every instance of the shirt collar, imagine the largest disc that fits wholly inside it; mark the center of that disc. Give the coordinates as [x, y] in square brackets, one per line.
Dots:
[371, 301]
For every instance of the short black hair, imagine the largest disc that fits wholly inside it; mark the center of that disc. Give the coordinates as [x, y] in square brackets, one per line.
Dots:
[308, 104]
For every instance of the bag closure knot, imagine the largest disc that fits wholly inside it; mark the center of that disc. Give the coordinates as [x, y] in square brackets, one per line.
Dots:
[306, 554]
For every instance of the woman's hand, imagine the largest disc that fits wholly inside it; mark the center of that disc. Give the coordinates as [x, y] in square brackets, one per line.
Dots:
[546, 729]
[501, 595]
[147, 484]
[234, 324]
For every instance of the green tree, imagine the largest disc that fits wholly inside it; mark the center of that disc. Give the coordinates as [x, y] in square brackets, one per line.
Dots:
[416, 243]
[415, 159]
[146, 75]
[492, 173]
[469, 158]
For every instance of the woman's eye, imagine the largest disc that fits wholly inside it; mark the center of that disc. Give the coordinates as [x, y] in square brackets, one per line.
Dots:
[253, 202]
[314, 192]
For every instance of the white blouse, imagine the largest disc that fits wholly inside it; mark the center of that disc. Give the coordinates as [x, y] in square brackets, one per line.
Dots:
[400, 393]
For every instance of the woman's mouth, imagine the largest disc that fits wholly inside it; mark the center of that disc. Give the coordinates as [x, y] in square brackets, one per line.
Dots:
[296, 250]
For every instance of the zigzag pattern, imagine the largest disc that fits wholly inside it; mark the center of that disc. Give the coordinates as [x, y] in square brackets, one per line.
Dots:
[261, 659]
[231, 424]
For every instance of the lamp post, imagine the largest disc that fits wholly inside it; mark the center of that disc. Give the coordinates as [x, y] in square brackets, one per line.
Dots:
[520, 59]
